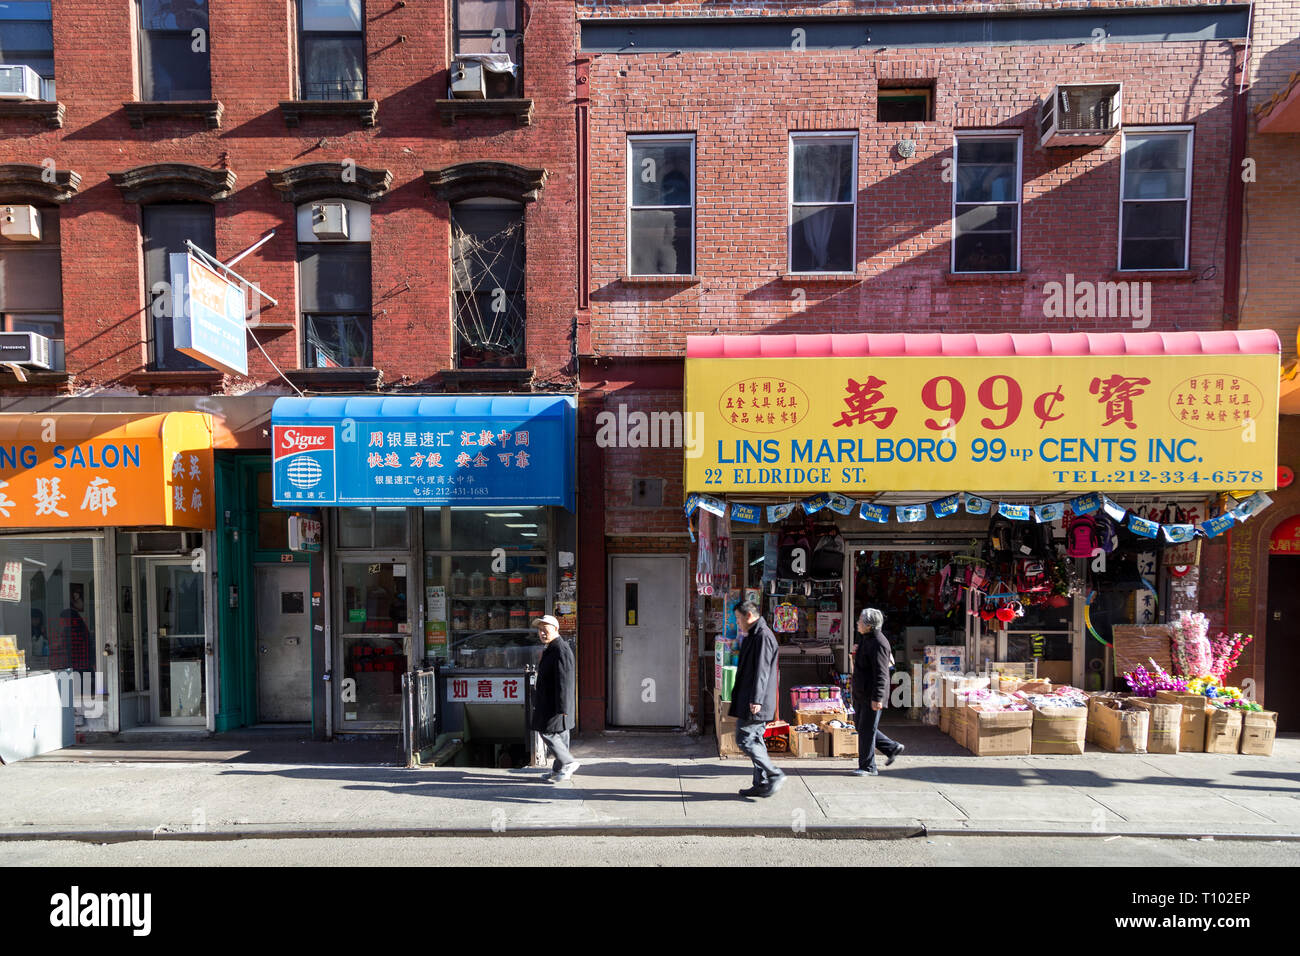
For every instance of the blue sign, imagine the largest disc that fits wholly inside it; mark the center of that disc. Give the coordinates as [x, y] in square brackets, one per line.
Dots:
[430, 451]
[208, 315]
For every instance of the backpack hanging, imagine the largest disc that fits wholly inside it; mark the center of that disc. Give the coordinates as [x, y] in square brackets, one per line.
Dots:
[793, 541]
[828, 557]
[1000, 535]
[1082, 537]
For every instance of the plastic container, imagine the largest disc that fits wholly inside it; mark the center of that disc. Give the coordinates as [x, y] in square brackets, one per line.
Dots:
[478, 618]
[458, 584]
[516, 585]
[498, 585]
[477, 585]
[498, 617]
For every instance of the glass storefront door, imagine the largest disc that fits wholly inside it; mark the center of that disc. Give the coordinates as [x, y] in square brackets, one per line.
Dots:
[177, 641]
[374, 623]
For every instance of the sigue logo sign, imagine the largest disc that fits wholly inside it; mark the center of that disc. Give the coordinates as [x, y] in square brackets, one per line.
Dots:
[290, 441]
[303, 470]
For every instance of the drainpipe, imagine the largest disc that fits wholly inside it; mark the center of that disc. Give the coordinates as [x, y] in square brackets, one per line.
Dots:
[1236, 193]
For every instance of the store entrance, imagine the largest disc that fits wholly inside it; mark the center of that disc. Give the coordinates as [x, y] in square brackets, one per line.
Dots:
[177, 635]
[283, 649]
[1282, 641]
[374, 631]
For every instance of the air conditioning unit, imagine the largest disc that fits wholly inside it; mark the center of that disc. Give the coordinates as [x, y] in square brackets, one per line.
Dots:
[25, 348]
[20, 223]
[20, 82]
[329, 220]
[1080, 114]
[467, 81]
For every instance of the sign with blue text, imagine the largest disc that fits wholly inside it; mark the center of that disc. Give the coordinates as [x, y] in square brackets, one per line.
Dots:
[435, 450]
[208, 320]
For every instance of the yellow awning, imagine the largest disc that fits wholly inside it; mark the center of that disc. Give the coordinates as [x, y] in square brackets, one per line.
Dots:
[89, 471]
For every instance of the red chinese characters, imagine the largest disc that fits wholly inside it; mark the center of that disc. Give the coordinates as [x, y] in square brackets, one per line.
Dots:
[1116, 395]
[863, 404]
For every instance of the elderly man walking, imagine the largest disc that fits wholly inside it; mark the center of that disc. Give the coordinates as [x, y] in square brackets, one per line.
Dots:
[753, 698]
[553, 698]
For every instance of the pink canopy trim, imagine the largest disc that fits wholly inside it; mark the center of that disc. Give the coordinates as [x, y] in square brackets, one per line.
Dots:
[883, 344]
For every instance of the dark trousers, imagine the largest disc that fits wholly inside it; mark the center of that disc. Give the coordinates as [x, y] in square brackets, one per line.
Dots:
[558, 745]
[749, 737]
[870, 739]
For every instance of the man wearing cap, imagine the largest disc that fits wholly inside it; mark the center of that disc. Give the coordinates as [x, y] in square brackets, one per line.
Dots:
[553, 698]
[753, 697]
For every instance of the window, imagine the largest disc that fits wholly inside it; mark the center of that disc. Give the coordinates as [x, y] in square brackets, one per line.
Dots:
[1155, 205]
[986, 204]
[166, 227]
[491, 27]
[53, 617]
[487, 261]
[823, 202]
[661, 205]
[334, 290]
[31, 286]
[27, 39]
[905, 104]
[174, 62]
[367, 529]
[331, 50]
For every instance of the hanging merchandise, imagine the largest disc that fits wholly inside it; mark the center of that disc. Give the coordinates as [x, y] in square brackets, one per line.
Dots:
[1082, 536]
[785, 619]
[771, 547]
[1107, 534]
[1000, 536]
[793, 555]
[722, 555]
[828, 556]
[704, 556]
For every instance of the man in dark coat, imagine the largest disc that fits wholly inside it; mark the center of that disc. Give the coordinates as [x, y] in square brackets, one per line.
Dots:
[553, 698]
[754, 695]
[872, 658]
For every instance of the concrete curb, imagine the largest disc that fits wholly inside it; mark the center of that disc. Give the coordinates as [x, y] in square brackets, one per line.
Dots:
[902, 831]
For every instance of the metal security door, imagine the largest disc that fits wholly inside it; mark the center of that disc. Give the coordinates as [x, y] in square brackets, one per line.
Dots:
[283, 651]
[647, 671]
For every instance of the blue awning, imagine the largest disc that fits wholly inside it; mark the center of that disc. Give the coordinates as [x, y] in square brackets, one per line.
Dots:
[424, 450]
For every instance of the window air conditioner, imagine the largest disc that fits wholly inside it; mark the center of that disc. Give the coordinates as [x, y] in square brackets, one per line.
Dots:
[467, 81]
[25, 348]
[329, 220]
[20, 223]
[20, 82]
[1080, 114]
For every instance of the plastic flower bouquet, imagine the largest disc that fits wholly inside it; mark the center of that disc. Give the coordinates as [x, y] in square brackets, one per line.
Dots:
[1225, 651]
[1145, 683]
[1193, 655]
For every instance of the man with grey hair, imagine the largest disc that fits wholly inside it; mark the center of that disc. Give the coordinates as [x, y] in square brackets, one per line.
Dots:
[753, 699]
[553, 698]
[872, 659]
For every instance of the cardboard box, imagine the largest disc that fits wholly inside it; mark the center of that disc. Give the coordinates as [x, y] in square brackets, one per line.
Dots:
[820, 717]
[1165, 727]
[724, 728]
[1121, 731]
[1058, 672]
[1258, 731]
[1059, 730]
[1094, 699]
[1222, 731]
[945, 719]
[1139, 644]
[776, 737]
[843, 742]
[809, 745]
[957, 724]
[1006, 733]
[1192, 738]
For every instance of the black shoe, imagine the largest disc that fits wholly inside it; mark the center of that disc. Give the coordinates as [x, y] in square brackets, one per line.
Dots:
[754, 791]
[773, 785]
[895, 755]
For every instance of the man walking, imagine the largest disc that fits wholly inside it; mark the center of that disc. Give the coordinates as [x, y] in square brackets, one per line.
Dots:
[752, 699]
[872, 659]
[553, 698]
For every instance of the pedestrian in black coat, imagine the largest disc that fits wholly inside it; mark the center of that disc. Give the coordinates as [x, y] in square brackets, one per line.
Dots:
[553, 698]
[753, 697]
[872, 659]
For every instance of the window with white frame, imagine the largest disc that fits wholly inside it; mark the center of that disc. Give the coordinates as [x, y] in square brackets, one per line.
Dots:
[823, 201]
[661, 205]
[31, 286]
[1155, 202]
[986, 203]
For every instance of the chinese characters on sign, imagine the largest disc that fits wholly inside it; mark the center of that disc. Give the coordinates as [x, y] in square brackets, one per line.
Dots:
[485, 690]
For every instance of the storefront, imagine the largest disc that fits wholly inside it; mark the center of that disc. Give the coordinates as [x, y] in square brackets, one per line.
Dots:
[106, 602]
[447, 528]
[1013, 498]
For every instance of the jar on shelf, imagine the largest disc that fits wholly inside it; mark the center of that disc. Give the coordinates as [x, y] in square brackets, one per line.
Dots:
[478, 618]
[477, 585]
[516, 585]
[459, 617]
[498, 617]
[458, 583]
[498, 585]
[518, 616]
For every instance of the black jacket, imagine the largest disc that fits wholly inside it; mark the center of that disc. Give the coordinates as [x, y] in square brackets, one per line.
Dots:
[553, 696]
[871, 670]
[756, 674]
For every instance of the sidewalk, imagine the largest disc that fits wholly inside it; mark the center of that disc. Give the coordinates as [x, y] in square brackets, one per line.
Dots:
[647, 784]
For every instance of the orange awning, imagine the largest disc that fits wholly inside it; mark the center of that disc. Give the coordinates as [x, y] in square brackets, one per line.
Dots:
[88, 471]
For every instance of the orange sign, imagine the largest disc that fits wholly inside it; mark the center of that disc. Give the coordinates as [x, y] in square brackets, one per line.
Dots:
[88, 471]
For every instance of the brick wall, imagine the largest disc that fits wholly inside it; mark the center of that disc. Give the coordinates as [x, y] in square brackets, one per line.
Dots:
[252, 69]
[742, 107]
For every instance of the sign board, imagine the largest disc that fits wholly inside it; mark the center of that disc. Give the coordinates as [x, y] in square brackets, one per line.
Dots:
[1285, 538]
[1118, 423]
[11, 584]
[422, 452]
[208, 315]
[485, 690]
[304, 533]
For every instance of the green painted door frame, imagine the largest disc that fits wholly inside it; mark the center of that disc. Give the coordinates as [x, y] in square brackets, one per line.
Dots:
[237, 554]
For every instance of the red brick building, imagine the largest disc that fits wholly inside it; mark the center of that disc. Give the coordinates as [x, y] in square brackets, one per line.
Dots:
[422, 244]
[813, 153]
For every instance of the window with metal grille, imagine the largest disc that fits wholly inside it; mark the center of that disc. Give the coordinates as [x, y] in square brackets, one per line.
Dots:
[174, 61]
[487, 262]
[331, 50]
[334, 290]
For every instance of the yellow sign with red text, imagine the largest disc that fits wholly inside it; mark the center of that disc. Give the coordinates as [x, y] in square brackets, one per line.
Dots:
[1130, 423]
[86, 471]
